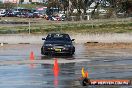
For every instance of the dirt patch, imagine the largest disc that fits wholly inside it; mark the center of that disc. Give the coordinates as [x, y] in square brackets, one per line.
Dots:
[108, 45]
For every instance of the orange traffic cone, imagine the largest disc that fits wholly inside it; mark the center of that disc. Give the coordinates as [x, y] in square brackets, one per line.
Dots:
[31, 55]
[56, 68]
[84, 73]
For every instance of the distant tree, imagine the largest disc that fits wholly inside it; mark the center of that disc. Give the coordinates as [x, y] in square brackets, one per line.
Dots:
[69, 5]
[53, 3]
[21, 1]
[80, 4]
[29, 0]
[9, 5]
[126, 6]
[64, 5]
[0, 2]
[121, 5]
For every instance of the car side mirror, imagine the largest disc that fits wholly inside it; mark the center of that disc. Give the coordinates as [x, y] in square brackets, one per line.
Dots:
[72, 39]
[43, 38]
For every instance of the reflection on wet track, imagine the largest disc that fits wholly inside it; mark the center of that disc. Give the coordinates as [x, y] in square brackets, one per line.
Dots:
[16, 71]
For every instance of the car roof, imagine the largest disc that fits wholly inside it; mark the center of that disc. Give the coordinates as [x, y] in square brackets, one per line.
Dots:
[57, 33]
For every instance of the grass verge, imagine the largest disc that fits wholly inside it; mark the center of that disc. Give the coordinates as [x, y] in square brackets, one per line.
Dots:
[40, 26]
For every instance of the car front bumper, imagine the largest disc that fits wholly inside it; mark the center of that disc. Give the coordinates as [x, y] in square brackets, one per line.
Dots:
[58, 50]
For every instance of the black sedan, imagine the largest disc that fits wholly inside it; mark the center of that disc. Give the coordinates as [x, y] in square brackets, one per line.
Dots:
[57, 43]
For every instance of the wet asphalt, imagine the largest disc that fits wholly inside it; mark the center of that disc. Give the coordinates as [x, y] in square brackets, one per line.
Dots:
[100, 63]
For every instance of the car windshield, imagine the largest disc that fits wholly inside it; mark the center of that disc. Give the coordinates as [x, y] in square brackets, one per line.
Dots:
[58, 37]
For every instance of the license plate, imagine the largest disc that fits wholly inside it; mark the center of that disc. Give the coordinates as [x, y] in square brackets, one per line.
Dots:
[58, 50]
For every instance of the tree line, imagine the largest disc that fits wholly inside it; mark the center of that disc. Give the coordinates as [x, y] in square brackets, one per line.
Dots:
[115, 5]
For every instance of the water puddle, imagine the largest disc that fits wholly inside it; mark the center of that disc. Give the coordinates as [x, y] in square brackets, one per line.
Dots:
[18, 71]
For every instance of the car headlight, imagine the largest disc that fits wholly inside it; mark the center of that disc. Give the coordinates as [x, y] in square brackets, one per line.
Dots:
[67, 45]
[48, 45]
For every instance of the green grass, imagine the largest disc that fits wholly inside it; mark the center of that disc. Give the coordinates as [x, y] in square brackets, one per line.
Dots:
[42, 26]
[30, 6]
